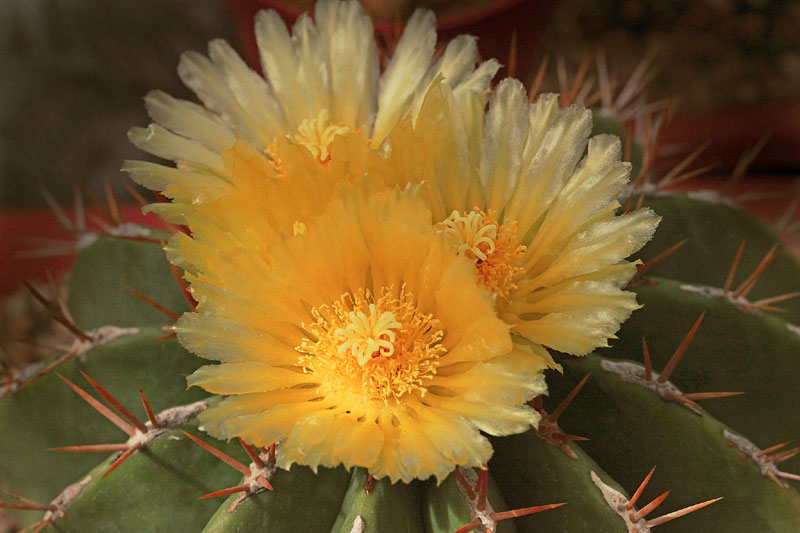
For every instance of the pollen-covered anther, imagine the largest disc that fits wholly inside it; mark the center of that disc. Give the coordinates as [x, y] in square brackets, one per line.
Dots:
[494, 247]
[274, 158]
[317, 134]
[378, 349]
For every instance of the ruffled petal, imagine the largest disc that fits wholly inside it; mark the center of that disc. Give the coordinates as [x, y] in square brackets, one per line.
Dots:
[405, 72]
[331, 438]
[595, 309]
[353, 59]
[223, 340]
[245, 377]
[179, 185]
[208, 82]
[190, 120]
[163, 143]
[503, 141]
[279, 64]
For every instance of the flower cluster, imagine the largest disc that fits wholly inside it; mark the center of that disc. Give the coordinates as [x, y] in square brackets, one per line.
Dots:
[380, 264]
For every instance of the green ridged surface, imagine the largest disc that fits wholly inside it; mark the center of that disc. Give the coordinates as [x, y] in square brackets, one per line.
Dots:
[445, 508]
[732, 351]
[156, 489]
[533, 472]
[98, 280]
[301, 501]
[714, 232]
[631, 430]
[393, 508]
[49, 414]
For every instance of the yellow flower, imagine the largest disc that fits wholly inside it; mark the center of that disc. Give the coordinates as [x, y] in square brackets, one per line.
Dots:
[320, 83]
[364, 340]
[530, 200]
[380, 263]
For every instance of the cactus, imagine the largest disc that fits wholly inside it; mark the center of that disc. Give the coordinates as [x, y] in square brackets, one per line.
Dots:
[106, 436]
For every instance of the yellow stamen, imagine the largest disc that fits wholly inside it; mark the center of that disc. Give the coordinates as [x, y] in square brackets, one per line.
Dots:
[494, 247]
[317, 134]
[472, 234]
[377, 349]
[275, 160]
[298, 228]
[368, 336]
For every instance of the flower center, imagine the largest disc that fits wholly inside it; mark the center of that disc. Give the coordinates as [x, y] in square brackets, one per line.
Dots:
[378, 349]
[317, 134]
[472, 233]
[368, 336]
[493, 246]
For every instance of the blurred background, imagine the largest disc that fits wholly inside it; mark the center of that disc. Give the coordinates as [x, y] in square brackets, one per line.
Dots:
[75, 71]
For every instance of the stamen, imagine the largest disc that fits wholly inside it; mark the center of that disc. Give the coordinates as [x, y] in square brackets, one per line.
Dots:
[376, 348]
[368, 336]
[317, 134]
[494, 247]
[298, 228]
[470, 232]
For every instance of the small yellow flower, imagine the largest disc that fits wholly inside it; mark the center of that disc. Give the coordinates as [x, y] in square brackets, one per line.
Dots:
[530, 200]
[363, 341]
[321, 82]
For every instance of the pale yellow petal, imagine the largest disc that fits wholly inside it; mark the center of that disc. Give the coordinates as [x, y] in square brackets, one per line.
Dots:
[353, 59]
[603, 244]
[577, 335]
[556, 142]
[250, 89]
[406, 70]
[161, 142]
[278, 62]
[189, 120]
[331, 438]
[312, 67]
[492, 419]
[503, 141]
[457, 68]
[599, 178]
[512, 379]
[247, 376]
[260, 418]
[207, 81]
[180, 185]
[222, 340]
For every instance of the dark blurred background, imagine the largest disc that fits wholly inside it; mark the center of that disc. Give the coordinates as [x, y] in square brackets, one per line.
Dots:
[74, 74]
[714, 54]
[75, 71]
